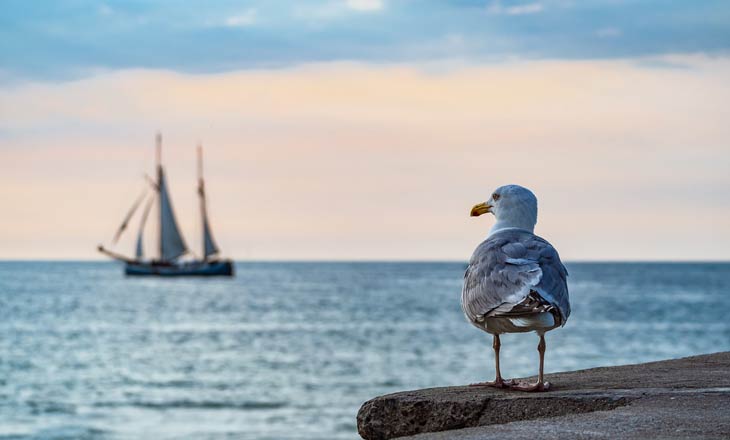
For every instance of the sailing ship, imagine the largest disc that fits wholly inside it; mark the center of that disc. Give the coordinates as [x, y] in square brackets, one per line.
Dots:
[172, 251]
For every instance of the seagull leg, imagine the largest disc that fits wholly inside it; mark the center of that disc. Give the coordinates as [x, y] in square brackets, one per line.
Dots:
[540, 385]
[498, 382]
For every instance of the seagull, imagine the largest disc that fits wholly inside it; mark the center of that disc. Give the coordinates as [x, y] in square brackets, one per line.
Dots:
[515, 281]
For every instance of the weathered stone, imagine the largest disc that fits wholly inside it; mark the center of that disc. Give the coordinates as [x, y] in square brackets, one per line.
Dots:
[598, 389]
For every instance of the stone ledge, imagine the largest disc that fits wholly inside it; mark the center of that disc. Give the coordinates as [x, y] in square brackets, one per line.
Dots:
[598, 389]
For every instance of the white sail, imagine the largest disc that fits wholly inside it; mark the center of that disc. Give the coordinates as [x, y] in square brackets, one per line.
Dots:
[139, 253]
[172, 244]
[128, 217]
[209, 246]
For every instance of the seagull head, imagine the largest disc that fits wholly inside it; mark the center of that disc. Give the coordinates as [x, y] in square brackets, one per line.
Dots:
[513, 206]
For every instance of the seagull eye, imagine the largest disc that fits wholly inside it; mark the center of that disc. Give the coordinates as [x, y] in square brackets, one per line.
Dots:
[495, 197]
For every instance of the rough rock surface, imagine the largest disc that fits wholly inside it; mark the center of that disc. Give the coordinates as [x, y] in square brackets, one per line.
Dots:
[646, 394]
[695, 415]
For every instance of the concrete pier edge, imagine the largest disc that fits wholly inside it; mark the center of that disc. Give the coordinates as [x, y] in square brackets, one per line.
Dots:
[654, 385]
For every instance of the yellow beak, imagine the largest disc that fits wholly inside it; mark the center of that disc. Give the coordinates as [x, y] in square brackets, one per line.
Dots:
[480, 209]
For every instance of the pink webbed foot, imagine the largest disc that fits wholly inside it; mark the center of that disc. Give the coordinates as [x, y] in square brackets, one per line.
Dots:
[497, 383]
[531, 387]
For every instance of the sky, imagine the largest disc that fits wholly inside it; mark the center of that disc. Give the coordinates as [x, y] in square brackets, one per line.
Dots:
[366, 129]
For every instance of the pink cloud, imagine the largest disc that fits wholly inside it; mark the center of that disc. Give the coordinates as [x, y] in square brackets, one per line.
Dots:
[357, 161]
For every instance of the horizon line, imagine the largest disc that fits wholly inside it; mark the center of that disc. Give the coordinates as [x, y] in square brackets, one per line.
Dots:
[345, 261]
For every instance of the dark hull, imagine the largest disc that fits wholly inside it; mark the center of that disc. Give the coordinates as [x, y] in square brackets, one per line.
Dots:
[189, 269]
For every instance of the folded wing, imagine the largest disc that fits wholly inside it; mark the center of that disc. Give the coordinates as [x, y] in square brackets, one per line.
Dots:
[506, 268]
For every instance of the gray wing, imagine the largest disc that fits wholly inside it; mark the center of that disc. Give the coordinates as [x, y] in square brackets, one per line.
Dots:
[553, 285]
[506, 267]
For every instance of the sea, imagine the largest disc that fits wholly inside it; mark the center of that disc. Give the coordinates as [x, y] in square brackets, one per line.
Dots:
[291, 350]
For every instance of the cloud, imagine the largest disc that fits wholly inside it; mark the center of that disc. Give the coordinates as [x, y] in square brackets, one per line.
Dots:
[608, 32]
[61, 42]
[244, 19]
[497, 8]
[105, 10]
[365, 5]
[351, 149]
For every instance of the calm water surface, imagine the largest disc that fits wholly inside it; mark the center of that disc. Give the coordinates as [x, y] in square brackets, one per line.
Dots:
[290, 351]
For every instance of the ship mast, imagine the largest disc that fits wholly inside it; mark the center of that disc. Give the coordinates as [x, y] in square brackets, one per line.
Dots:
[172, 244]
[158, 182]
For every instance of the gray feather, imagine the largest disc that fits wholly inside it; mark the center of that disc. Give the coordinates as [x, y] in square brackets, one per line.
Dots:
[507, 267]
